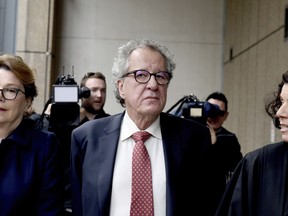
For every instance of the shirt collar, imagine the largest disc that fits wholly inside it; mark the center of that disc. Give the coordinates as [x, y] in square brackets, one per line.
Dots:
[128, 127]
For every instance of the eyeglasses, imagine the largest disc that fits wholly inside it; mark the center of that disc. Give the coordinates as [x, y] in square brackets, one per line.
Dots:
[143, 76]
[10, 93]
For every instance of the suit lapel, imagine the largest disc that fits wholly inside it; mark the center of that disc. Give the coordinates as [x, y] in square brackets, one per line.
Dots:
[107, 154]
[168, 143]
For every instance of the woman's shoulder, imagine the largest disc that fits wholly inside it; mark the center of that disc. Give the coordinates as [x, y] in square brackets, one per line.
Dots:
[271, 147]
[272, 151]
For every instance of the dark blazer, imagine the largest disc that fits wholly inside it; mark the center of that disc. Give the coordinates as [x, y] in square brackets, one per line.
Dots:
[101, 114]
[225, 155]
[31, 173]
[93, 152]
[259, 186]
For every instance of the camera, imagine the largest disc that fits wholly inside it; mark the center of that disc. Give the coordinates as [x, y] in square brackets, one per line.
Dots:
[62, 109]
[65, 110]
[191, 108]
[66, 90]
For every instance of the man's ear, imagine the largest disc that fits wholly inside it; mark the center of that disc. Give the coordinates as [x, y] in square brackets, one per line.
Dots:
[120, 84]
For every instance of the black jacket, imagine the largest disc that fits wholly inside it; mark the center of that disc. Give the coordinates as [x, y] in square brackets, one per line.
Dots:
[259, 184]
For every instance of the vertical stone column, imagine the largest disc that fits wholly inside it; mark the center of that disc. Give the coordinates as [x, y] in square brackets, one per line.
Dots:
[34, 43]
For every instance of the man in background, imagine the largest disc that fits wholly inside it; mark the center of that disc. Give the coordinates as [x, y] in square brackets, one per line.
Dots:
[92, 106]
[225, 149]
[93, 87]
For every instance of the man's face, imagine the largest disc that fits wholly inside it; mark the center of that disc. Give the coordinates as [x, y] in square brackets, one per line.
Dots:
[147, 99]
[97, 98]
[217, 122]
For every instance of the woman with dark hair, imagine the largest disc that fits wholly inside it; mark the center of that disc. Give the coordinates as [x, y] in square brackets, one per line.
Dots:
[30, 167]
[259, 184]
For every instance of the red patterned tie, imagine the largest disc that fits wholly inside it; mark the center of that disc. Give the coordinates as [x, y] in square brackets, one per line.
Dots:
[142, 193]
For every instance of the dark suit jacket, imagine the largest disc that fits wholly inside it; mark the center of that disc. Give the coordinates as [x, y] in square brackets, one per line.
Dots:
[259, 186]
[225, 155]
[31, 174]
[93, 151]
[101, 114]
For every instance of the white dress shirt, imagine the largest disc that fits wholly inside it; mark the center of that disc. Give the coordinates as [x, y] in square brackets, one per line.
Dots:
[122, 176]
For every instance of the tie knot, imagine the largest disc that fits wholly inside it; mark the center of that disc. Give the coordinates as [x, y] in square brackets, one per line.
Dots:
[141, 136]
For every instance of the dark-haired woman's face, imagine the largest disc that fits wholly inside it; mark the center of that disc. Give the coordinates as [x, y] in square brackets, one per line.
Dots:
[282, 112]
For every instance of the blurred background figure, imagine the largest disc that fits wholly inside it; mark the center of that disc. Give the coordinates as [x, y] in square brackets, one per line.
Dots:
[31, 171]
[225, 149]
[93, 90]
[92, 106]
[68, 116]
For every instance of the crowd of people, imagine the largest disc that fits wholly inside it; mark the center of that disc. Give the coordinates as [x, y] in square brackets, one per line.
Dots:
[188, 168]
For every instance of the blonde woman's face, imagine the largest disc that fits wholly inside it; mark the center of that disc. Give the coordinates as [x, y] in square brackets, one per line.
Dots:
[12, 111]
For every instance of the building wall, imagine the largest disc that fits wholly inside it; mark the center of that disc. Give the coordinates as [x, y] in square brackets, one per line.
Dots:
[7, 25]
[89, 32]
[34, 42]
[255, 56]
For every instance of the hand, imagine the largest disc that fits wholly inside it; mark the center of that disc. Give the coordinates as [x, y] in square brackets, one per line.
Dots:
[212, 133]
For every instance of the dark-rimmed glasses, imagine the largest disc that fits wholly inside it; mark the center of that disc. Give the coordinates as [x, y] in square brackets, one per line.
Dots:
[143, 76]
[10, 93]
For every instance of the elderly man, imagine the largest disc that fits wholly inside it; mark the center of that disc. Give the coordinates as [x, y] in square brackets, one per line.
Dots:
[109, 168]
